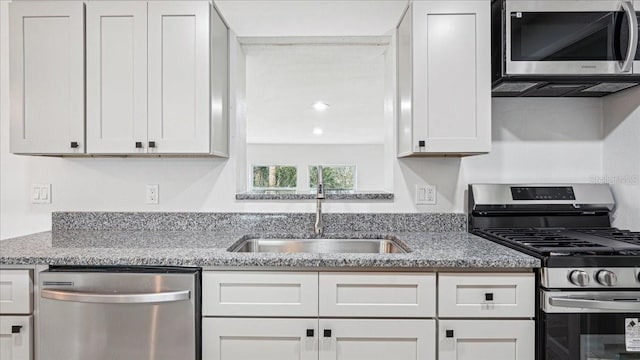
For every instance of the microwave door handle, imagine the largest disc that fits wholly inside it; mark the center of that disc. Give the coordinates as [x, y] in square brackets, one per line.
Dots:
[620, 305]
[627, 65]
[110, 298]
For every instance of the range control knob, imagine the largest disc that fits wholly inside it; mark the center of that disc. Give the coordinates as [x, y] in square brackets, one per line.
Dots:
[579, 278]
[606, 278]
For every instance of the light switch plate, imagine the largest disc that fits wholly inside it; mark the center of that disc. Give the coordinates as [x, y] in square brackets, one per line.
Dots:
[153, 194]
[426, 194]
[41, 193]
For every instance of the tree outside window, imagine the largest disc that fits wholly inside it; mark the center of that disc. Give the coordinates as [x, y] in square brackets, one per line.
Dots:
[274, 178]
[334, 177]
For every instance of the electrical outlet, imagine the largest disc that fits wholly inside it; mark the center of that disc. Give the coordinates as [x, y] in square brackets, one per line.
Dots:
[153, 194]
[41, 193]
[426, 195]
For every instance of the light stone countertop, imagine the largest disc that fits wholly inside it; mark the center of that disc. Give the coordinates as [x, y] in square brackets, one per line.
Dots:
[208, 249]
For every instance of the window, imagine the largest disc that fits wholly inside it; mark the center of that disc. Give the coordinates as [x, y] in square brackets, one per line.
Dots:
[274, 178]
[334, 177]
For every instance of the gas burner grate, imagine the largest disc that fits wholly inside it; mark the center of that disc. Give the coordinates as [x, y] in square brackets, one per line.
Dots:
[547, 241]
[614, 234]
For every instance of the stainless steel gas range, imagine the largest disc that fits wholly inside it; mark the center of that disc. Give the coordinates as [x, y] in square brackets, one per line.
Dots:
[588, 306]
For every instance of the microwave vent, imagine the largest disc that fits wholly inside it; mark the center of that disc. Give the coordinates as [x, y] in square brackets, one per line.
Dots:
[514, 86]
[609, 87]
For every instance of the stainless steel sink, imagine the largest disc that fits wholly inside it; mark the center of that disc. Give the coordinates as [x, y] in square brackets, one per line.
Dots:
[319, 246]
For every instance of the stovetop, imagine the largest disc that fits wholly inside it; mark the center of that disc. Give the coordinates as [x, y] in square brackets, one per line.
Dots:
[561, 241]
[571, 246]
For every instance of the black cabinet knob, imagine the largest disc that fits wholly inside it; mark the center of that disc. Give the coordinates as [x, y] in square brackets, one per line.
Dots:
[310, 332]
[138, 144]
[15, 329]
[152, 144]
[488, 296]
[327, 333]
[449, 333]
[74, 145]
[422, 143]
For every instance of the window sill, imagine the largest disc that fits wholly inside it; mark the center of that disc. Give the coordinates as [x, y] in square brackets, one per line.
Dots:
[329, 195]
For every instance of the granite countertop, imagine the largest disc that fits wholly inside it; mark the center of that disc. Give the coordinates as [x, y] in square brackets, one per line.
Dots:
[209, 249]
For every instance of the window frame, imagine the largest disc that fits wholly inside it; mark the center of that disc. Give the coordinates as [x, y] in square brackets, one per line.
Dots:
[266, 190]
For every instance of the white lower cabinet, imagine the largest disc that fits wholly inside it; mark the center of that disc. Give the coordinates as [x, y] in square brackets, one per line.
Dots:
[486, 339]
[367, 316]
[371, 339]
[15, 337]
[265, 339]
[324, 339]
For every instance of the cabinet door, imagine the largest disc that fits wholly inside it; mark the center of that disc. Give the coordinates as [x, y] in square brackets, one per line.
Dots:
[15, 337]
[116, 77]
[377, 339]
[265, 339]
[636, 64]
[451, 76]
[47, 77]
[405, 89]
[179, 77]
[486, 339]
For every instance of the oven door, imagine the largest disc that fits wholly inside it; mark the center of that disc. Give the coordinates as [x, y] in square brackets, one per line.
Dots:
[590, 326]
[571, 37]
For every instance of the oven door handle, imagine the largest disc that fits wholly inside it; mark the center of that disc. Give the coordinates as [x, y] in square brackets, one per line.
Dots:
[110, 298]
[627, 65]
[622, 305]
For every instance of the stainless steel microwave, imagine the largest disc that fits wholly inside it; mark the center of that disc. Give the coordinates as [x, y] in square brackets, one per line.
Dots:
[574, 39]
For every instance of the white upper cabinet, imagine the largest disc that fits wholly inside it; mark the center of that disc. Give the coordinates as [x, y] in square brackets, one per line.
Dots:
[444, 65]
[156, 78]
[47, 77]
[179, 96]
[116, 77]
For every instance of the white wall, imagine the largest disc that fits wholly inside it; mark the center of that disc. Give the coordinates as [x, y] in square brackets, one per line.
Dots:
[622, 156]
[283, 80]
[536, 140]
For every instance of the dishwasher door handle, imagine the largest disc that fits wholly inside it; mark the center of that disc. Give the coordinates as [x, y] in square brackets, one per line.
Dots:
[110, 298]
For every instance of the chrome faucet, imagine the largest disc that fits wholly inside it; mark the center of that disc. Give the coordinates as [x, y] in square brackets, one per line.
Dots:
[319, 225]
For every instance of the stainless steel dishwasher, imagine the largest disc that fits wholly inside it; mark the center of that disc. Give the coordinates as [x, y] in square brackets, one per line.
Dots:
[101, 313]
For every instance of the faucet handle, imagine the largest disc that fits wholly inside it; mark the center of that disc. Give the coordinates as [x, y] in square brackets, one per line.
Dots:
[320, 190]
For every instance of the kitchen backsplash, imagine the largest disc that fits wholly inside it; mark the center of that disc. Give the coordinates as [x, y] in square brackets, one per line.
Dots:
[258, 222]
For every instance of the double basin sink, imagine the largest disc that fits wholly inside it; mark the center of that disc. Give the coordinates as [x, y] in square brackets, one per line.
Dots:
[387, 245]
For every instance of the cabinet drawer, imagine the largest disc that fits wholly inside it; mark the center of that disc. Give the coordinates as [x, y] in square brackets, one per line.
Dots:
[259, 293]
[486, 295]
[377, 295]
[16, 287]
